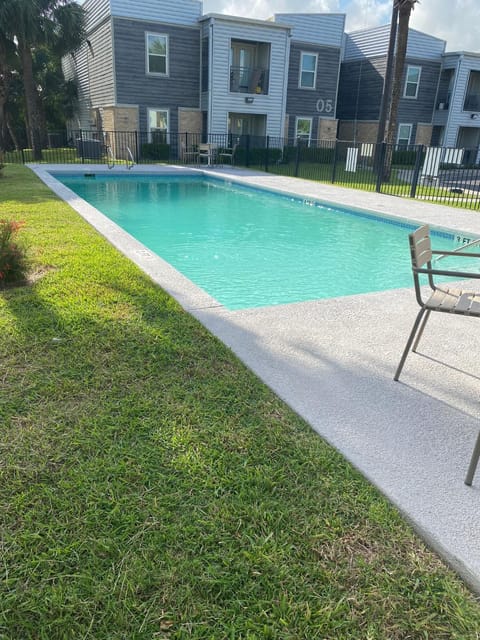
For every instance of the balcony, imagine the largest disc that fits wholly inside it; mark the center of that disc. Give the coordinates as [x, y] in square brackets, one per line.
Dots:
[249, 80]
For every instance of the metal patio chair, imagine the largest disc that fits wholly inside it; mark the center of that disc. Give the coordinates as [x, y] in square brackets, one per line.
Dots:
[442, 298]
[228, 153]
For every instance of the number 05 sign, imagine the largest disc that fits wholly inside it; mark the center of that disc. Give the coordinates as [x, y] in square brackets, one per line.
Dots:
[324, 106]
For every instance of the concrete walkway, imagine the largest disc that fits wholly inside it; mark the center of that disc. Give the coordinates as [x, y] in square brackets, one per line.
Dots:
[333, 362]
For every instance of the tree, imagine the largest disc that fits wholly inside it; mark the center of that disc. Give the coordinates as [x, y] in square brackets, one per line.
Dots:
[405, 8]
[57, 24]
[7, 56]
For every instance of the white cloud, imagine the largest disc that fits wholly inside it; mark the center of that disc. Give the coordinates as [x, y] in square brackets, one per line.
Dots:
[266, 8]
[455, 21]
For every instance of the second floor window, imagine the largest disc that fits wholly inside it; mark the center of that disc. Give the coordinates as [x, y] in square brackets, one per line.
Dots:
[157, 53]
[472, 97]
[308, 70]
[412, 81]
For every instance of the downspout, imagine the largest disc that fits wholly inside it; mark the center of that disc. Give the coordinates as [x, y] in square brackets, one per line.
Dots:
[210, 79]
[341, 53]
[285, 82]
[454, 93]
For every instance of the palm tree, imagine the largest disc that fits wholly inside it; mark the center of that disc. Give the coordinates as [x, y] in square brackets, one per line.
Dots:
[7, 56]
[405, 8]
[58, 24]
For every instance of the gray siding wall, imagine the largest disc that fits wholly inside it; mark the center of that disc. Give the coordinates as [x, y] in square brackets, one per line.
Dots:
[360, 89]
[303, 102]
[422, 108]
[182, 86]
[315, 28]
[181, 12]
[221, 100]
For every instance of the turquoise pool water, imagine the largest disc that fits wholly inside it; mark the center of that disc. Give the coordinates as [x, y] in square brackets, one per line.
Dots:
[250, 248]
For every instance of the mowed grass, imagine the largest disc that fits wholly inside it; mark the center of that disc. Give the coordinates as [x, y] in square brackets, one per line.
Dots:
[153, 487]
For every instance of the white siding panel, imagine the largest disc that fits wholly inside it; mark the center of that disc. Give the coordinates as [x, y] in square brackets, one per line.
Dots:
[316, 28]
[223, 101]
[370, 43]
[184, 12]
[100, 66]
[457, 117]
[93, 73]
[77, 68]
[97, 10]
[421, 45]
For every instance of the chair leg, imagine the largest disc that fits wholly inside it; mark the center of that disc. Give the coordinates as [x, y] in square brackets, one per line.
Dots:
[411, 337]
[420, 331]
[473, 462]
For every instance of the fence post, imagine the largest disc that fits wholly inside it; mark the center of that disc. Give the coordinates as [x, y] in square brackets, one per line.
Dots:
[247, 151]
[297, 158]
[416, 171]
[380, 163]
[23, 156]
[267, 147]
[334, 167]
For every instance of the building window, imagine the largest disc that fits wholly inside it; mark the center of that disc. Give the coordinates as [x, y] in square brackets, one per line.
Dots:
[158, 126]
[157, 53]
[472, 97]
[303, 130]
[412, 82]
[308, 70]
[404, 134]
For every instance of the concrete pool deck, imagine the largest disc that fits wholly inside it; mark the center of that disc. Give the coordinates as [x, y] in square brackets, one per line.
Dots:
[333, 362]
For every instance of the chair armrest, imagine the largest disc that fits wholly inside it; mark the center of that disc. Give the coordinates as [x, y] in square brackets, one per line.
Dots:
[444, 272]
[457, 253]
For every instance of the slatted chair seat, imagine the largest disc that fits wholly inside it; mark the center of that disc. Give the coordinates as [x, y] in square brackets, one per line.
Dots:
[466, 303]
[443, 298]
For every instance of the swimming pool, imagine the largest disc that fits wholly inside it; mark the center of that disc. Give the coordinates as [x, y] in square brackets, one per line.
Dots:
[249, 248]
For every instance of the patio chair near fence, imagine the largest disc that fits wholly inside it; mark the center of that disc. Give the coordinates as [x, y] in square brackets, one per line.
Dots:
[228, 153]
[443, 298]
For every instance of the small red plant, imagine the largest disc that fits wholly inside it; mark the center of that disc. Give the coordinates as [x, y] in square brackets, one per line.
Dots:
[13, 259]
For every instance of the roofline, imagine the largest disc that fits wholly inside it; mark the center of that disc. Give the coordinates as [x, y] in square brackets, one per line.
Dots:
[227, 18]
[474, 54]
[384, 26]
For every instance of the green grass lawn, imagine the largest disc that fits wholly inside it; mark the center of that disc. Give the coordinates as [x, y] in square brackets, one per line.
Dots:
[152, 487]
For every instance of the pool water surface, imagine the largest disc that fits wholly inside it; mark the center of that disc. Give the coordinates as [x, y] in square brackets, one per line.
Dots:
[250, 248]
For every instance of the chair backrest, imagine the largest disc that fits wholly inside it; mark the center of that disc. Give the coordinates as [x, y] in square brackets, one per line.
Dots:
[421, 254]
[420, 246]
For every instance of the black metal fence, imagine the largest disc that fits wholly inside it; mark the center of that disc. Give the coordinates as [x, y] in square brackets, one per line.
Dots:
[446, 175]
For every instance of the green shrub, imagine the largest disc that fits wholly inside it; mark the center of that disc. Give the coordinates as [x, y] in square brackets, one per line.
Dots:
[405, 157]
[257, 156]
[155, 151]
[321, 155]
[13, 259]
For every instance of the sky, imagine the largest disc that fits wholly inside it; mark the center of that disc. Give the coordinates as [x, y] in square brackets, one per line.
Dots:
[456, 21]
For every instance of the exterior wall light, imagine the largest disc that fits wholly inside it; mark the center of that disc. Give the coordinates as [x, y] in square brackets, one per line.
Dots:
[249, 100]
[475, 116]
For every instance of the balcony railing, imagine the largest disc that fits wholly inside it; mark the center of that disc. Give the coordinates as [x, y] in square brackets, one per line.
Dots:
[249, 80]
[472, 102]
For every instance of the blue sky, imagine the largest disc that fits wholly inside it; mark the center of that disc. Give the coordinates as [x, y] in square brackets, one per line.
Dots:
[457, 21]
